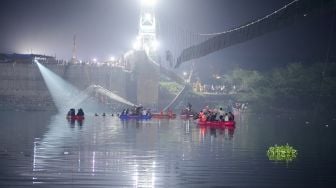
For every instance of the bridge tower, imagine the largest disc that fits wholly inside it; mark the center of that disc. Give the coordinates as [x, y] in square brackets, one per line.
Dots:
[146, 39]
[145, 70]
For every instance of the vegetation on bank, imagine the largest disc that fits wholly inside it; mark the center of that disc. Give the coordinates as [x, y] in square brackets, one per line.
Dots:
[172, 87]
[294, 85]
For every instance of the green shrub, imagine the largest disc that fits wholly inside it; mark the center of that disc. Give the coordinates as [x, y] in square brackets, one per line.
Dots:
[281, 153]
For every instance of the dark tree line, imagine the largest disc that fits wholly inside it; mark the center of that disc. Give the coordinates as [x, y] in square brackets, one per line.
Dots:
[296, 85]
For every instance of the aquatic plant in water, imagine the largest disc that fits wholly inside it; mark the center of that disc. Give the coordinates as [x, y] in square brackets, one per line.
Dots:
[281, 153]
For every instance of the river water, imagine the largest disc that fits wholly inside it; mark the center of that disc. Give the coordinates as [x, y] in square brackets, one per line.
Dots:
[38, 149]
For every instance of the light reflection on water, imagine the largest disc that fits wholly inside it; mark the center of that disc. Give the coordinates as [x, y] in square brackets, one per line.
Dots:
[105, 152]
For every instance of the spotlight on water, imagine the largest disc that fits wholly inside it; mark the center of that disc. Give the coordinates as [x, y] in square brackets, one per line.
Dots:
[64, 95]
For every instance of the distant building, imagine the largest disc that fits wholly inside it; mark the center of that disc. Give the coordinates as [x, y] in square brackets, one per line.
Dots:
[74, 51]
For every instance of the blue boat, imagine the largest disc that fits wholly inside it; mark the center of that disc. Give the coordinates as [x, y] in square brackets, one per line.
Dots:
[140, 117]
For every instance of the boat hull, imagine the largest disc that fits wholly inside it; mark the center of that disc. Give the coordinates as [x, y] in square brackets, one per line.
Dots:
[79, 118]
[217, 123]
[125, 117]
[159, 115]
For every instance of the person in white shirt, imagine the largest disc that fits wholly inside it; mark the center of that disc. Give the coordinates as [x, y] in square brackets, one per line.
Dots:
[226, 117]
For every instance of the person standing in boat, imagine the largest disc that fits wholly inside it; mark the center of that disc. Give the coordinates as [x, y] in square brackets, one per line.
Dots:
[72, 112]
[226, 117]
[213, 114]
[138, 110]
[231, 116]
[189, 107]
[144, 112]
[218, 116]
[80, 112]
[221, 114]
[69, 113]
[148, 112]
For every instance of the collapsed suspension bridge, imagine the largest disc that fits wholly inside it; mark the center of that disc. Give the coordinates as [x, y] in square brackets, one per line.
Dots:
[203, 44]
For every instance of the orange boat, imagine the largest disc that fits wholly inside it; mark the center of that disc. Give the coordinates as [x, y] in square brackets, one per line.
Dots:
[163, 115]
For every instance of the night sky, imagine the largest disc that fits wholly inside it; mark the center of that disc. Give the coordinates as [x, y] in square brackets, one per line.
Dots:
[107, 28]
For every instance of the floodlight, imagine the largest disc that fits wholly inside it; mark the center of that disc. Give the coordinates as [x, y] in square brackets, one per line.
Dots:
[136, 45]
[149, 3]
[148, 16]
[155, 45]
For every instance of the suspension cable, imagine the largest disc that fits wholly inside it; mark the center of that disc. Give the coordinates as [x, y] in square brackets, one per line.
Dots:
[253, 22]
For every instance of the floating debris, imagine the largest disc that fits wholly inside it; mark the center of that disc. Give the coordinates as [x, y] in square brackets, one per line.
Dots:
[281, 153]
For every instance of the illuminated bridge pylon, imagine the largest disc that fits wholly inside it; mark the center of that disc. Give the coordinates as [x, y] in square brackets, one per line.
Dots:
[146, 39]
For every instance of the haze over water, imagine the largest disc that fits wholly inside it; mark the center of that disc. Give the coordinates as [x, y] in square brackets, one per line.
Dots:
[43, 150]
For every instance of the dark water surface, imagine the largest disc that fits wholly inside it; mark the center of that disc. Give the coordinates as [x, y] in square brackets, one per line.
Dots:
[43, 150]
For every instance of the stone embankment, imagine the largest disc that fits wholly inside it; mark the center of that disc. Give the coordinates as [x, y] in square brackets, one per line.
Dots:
[22, 86]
